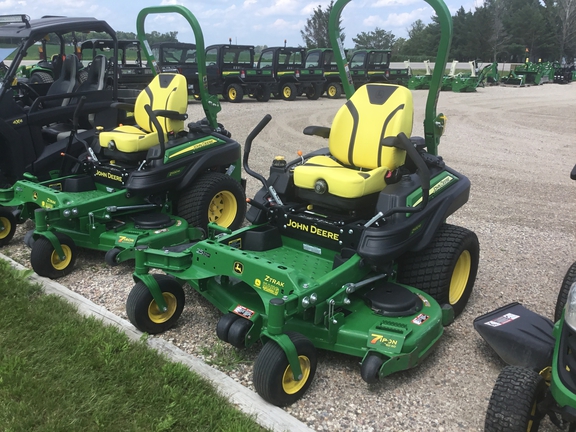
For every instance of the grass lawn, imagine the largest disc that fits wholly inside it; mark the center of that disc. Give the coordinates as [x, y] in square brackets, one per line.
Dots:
[60, 371]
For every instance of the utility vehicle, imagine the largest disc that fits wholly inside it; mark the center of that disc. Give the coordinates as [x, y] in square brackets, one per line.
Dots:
[324, 58]
[35, 116]
[131, 181]
[232, 74]
[178, 57]
[293, 76]
[540, 377]
[348, 251]
[371, 66]
[132, 70]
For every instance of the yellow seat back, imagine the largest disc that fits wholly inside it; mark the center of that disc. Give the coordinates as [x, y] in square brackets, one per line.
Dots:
[374, 112]
[165, 92]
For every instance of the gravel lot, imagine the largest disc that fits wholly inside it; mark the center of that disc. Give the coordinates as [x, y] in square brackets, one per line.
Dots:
[517, 147]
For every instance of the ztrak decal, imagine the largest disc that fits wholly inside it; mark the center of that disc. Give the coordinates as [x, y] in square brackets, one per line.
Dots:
[49, 203]
[504, 319]
[313, 229]
[243, 312]
[269, 285]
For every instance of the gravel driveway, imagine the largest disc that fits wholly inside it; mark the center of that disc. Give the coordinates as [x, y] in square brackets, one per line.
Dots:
[517, 147]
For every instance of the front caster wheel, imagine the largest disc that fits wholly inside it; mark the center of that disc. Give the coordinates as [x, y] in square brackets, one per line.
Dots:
[143, 312]
[273, 376]
[371, 368]
[7, 226]
[223, 326]
[46, 262]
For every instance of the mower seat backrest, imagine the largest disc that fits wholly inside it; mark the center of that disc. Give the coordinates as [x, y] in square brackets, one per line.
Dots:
[96, 75]
[65, 83]
[166, 91]
[358, 161]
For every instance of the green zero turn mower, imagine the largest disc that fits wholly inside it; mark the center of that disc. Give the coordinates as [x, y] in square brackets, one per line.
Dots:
[540, 377]
[132, 181]
[349, 250]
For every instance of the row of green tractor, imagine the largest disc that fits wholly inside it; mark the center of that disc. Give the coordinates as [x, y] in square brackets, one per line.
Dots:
[347, 248]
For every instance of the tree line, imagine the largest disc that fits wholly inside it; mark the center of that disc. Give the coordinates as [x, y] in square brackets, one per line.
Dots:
[499, 30]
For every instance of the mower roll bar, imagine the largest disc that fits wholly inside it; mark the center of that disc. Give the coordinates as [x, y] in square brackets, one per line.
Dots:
[433, 123]
[210, 103]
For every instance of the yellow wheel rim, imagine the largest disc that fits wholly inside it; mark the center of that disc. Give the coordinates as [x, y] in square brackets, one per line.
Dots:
[332, 91]
[159, 317]
[287, 92]
[289, 384]
[223, 209]
[232, 93]
[460, 277]
[59, 264]
[5, 227]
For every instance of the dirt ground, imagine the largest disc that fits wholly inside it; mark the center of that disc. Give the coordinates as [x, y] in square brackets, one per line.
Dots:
[517, 146]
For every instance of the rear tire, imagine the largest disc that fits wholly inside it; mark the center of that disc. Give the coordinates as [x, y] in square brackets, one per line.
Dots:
[263, 94]
[334, 90]
[234, 93]
[446, 269]
[214, 197]
[46, 262]
[143, 311]
[41, 78]
[314, 92]
[513, 403]
[569, 280]
[288, 92]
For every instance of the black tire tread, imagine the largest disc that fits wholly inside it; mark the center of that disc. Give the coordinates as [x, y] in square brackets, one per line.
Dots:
[429, 269]
[41, 252]
[140, 295]
[192, 205]
[6, 213]
[271, 358]
[513, 396]
[569, 279]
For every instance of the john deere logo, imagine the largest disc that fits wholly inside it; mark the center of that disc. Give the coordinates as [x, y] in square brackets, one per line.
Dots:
[35, 195]
[238, 267]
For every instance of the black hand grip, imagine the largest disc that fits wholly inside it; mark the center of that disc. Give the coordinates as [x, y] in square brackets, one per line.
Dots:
[254, 134]
[248, 146]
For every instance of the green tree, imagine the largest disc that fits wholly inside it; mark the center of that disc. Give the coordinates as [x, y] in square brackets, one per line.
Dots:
[376, 39]
[315, 33]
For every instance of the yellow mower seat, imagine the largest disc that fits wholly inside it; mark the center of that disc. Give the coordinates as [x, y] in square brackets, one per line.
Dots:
[165, 92]
[358, 161]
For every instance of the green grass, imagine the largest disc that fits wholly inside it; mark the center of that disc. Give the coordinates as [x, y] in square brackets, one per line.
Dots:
[60, 371]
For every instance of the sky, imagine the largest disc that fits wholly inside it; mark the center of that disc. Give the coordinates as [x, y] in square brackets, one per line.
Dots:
[249, 22]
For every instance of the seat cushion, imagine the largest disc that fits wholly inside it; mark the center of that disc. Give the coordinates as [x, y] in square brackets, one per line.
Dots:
[342, 181]
[129, 139]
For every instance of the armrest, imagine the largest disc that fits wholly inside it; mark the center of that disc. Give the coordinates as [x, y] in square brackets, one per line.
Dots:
[123, 106]
[321, 131]
[174, 115]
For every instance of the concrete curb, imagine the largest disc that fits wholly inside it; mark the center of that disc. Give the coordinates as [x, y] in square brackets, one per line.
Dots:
[267, 415]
